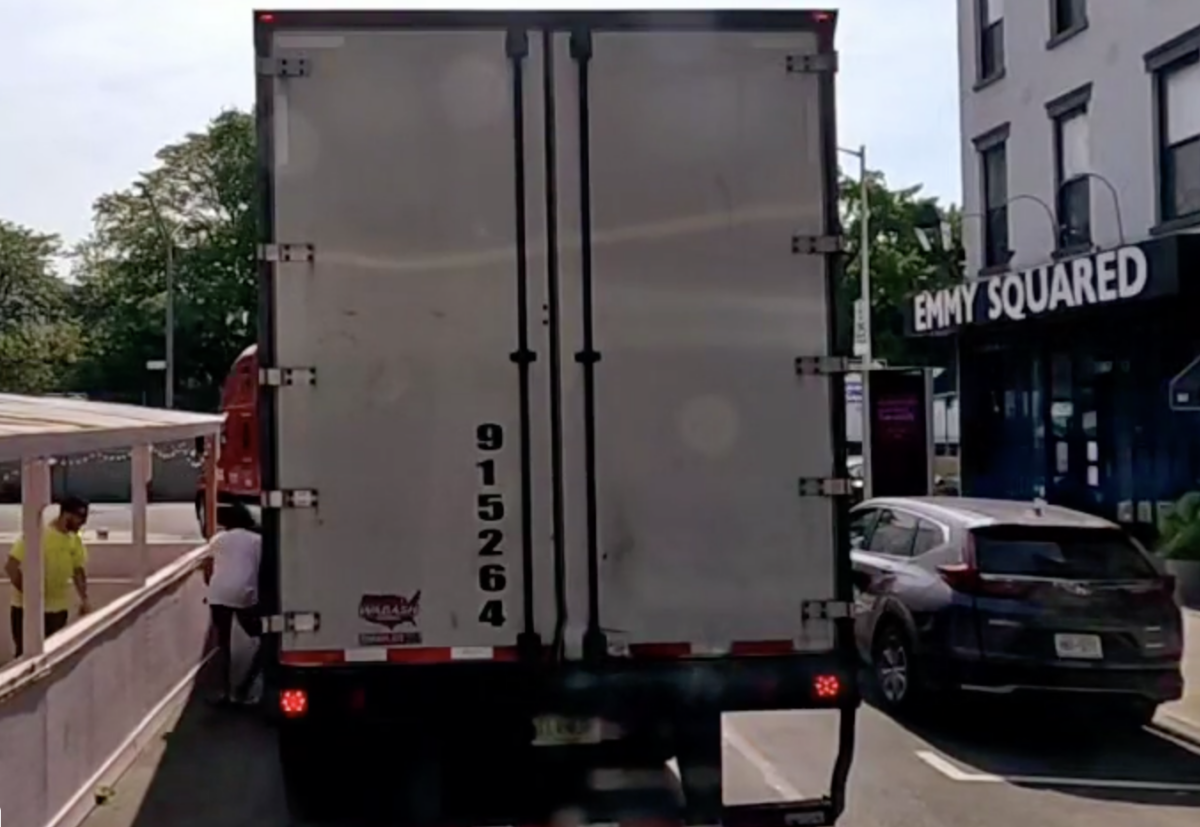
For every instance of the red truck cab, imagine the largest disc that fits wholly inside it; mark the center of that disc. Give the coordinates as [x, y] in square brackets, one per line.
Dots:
[237, 466]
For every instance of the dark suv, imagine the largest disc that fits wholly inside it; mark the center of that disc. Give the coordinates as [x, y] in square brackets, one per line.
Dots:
[1008, 597]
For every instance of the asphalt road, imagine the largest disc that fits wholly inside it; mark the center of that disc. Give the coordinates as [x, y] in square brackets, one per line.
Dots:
[165, 519]
[975, 767]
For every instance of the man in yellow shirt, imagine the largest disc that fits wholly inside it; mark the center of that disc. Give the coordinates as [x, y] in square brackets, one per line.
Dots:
[64, 561]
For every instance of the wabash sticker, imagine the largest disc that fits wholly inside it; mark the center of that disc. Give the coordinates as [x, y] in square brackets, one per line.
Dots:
[390, 611]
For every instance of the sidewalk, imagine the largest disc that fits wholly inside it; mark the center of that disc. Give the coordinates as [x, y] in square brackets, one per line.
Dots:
[1182, 717]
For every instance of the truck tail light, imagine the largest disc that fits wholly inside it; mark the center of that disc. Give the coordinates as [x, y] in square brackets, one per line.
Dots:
[293, 703]
[827, 687]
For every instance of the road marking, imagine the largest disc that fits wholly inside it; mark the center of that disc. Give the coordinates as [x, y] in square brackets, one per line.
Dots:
[955, 773]
[756, 759]
[952, 772]
[1164, 732]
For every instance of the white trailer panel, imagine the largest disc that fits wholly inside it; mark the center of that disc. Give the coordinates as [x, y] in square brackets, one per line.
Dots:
[705, 160]
[394, 158]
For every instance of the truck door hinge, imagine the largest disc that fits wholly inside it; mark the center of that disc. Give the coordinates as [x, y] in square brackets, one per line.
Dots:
[281, 377]
[286, 252]
[292, 622]
[825, 609]
[289, 498]
[825, 487]
[825, 365]
[284, 67]
[811, 64]
[817, 245]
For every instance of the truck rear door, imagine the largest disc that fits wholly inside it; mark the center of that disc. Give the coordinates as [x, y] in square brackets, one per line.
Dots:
[695, 170]
[536, 289]
[406, 444]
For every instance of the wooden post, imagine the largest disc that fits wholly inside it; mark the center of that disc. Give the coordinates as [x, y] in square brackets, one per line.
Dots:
[141, 466]
[35, 496]
[212, 448]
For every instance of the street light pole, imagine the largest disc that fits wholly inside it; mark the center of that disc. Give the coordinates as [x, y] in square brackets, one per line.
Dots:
[169, 243]
[864, 347]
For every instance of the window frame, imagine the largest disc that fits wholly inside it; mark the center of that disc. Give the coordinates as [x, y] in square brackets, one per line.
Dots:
[916, 518]
[1180, 52]
[995, 139]
[1062, 31]
[872, 513]
[942, 531]
[1073, 104]
[984, 31]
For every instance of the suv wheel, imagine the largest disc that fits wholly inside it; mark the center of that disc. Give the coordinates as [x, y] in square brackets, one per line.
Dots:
[893, 664]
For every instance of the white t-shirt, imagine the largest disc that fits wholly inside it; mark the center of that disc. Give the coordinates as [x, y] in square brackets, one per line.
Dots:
[236, 554]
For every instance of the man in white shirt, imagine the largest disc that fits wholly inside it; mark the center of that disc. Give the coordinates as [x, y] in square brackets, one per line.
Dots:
[231, 572]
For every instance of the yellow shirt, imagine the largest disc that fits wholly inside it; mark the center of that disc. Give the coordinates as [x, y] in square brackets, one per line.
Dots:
[61, 554]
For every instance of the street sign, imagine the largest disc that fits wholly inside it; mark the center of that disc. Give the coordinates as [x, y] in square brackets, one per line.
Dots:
[860, 329]
[1184, 390]
[156, 364]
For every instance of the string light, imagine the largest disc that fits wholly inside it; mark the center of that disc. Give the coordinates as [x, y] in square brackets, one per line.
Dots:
[166, 452]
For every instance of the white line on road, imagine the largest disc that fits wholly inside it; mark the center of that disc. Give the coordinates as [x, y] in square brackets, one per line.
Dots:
[786, 790]
[955, 773]
[952, 772]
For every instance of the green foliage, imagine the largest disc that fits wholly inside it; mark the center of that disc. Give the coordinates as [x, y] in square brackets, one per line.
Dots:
[899, 266]
[38, 339]
[1179, 534]
[200, 200]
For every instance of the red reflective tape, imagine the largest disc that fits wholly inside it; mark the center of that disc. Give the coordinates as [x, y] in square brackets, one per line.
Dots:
[507, 654]
[317, 657]
[761, 648]
[421, 655]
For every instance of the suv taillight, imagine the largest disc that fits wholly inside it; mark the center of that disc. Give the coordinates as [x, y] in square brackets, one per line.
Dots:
[966, 578]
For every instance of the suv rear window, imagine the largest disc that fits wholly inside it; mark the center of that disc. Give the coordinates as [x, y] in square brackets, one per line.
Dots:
[1072, 553]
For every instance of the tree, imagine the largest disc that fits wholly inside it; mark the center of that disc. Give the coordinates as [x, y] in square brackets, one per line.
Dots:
[38, 342]
[899, 265]
[199, 200]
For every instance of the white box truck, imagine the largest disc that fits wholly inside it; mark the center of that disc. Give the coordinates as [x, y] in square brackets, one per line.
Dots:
[551, 396]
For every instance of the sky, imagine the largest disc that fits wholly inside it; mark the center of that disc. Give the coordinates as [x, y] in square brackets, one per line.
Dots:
[91, 89]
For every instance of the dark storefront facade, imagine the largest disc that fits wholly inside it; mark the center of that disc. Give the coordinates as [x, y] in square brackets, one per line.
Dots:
[1065, 373]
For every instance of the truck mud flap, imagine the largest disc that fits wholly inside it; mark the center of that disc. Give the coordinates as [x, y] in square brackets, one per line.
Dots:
[814, 811]
[637, 801]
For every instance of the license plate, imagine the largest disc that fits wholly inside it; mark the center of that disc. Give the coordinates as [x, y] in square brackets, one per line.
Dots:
[1079, 647]
[557, 731]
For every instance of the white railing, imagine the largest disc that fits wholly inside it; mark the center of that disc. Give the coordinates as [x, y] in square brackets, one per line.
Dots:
[74, 717]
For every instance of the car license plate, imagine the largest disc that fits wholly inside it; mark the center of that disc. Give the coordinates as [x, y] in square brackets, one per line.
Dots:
[557, 731]
[1079, 647]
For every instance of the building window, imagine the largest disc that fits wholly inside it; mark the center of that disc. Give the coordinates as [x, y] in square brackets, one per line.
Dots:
[1176, 75]
[1072, 167]
[1067, 17]
[991, 38]
[1074, 198]
[1179, 127]
[993, 181]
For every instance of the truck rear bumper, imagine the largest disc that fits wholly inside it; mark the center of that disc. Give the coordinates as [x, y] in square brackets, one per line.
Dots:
[614, 690]
[481, 719]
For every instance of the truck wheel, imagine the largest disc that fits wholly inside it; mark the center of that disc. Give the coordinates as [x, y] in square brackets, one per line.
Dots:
[307, 784]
